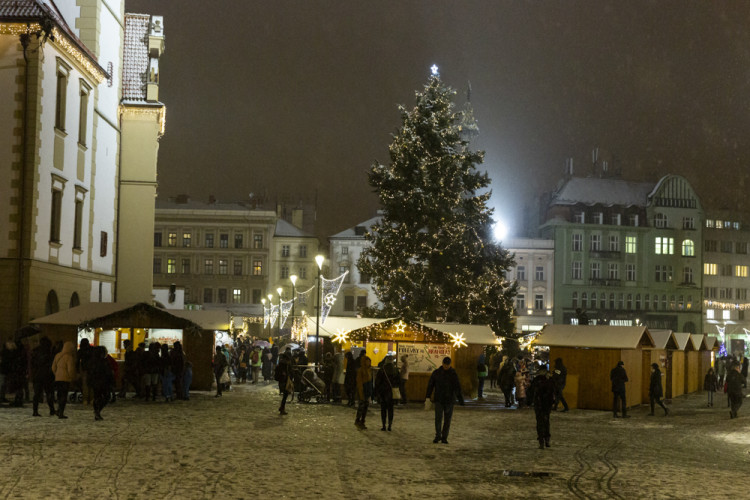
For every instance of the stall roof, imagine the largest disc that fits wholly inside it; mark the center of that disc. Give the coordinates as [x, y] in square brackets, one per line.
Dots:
[344, 323]
[663, 339]
[473, 334]
[206, 319]
[595, 336]
[684, 342]
[712, 343]
[699, 341]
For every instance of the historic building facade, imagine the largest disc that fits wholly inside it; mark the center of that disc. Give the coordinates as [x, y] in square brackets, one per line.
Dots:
[627, 253]
[534, 271]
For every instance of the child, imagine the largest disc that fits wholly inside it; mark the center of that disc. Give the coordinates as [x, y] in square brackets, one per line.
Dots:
[710, 383]
[187, 379]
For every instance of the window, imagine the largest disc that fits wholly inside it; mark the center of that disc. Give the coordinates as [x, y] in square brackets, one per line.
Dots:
[576, 272]
[741, 294]
[61, 94]
[596, 242]
[579, 218]
[740, 271]
[538, 302]
[710, 223]
[725, 269]
[726, 314]
[603, 301]
[83, 113]
[574, 300]
[710, 246]
[740, 247]
[237, 267]
[223, 266]
[710, 269]
[103, 237]
[256, 295]
[208, 266]
[631, 244]
[719, 224]
[284, 272]
[688, 223]
[224, 241]
[521, 273]
[257, 267]
[285, 250]
[208, 295]
[78, 221]
[209, 240]
[345, 269]
[710, 292]
[187, 239]
[171, 266]
[709, 314]
[361, 302]
[688, 248]
[726, 247]
[364, 279]
[611, 300]
[613, 271]
[584, 300]
[303, 251]
[520, 303]
[257, 241]
[593, 300]
[56, 216]
[236, 296]
[634, 220]
[157, 240]
[595, 271]
[664, 246]
[302, 273]
[725, 293]
[614, 243]
[598, 218]
[222, 296]
[172, 239]
[349, 303]
[238, 241]
[656, 302]
[629, 302]
[344, 250]
[660, 220]
[577, 242]
[638, 302]
[614, 219]
[647, 301]
[157, 265]
[539, 274]
[687, 274]
[185, 266]
[630, 272]
[663, 273]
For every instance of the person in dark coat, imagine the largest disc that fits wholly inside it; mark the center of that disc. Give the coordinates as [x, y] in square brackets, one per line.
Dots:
[220, 365]
[283, 375]
[482, 373]
[83, 359]
[177, 360]
[130, 370]
[560, 376]
[734, 389]
[710, 385]
[618, 376]
[350, 377]
[655, 390]
[364, 390]
[386, 379]
[41, 375]
[447, 388]
[544, 397]
[101, 379]
[327, 375]
[507, 380]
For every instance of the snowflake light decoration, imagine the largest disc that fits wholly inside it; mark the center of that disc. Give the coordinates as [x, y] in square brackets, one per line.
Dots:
[329, 299]
[458, 340]
[400, 326]
[341, 336]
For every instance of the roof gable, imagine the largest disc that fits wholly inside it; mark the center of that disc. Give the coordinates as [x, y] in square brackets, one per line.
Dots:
[595, 336]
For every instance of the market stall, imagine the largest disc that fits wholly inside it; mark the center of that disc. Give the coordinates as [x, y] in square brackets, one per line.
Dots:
[664, 342]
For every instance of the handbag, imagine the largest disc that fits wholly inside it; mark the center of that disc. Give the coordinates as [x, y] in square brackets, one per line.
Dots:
[224, 379]
[395, 391]
[289, 384]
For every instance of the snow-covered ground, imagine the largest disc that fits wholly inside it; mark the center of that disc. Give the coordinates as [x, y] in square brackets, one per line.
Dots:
[238, 446]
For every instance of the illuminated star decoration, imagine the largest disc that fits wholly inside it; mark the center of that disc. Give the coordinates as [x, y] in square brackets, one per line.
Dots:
[400, 326]
[434, 69]
[341, 336]
[458, 340]
[329, 299]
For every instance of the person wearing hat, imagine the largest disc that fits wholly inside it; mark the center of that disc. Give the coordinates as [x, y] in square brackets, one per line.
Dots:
[544, 397]
[618, 376]
[655, 391]
[444, 382]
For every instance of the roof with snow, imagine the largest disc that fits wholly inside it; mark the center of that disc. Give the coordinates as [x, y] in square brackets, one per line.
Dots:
[684, 341]
[355, 233]
[663, 339]
[604, 191]
[189, 204]
[135, 57]
[285, 229]
[595, 336]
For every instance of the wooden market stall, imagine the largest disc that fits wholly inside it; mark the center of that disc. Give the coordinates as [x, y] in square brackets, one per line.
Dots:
[111, 323]
[590, 352]
[708, 357]
[678, 358]
[694, 364]
[425, 343]
[664, 341]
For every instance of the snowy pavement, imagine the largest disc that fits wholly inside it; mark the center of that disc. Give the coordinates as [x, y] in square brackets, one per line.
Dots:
[238, 446]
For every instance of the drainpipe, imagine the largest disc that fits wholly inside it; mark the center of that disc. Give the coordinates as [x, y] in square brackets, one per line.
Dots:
[25, 39]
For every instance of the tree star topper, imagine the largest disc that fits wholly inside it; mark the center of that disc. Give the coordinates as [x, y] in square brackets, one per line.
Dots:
[434, 69]
[458, 340]
[400, 326]
[341, 336]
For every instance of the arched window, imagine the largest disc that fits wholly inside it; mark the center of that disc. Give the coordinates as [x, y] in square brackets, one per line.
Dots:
[647, 301]
[593, 300]
[603, 301]
[672, 302]
[575, 299]
[611, 300]
[51, 306]
[74, 300]
[656, 302]
[663, 302]
[584, 300]
[689, 327]
[688, 248]
[630, 302]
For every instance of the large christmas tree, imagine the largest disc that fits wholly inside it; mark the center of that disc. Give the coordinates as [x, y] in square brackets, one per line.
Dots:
[432, 256]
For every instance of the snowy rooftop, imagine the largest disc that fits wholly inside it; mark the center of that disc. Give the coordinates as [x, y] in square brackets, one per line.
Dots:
[284, 228]
[201, 205]
[135, 57]
[594, 190]
[352, 232]
[595, 336]
[663, 339]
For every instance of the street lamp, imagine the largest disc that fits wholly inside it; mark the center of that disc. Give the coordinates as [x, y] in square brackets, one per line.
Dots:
[263, 301]
[270, 314]
[293, 279]
[318, 260]
[279, 290]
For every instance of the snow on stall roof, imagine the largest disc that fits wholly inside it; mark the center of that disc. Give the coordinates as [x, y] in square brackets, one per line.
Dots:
[473, 334]
[207, 319]
[712, 343]
[333, 324]
[699, 341]
[135, 57]
[595, 336]
[684, 342]
[663, 339]
[607, 191]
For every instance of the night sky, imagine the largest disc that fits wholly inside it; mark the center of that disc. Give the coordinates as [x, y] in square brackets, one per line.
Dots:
[293, 98]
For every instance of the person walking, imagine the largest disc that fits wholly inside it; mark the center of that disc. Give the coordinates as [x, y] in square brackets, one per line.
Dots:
[283, 375]
[545, 391]
[560, 377]
[495, 360]
[507, 379]
[618, 376]
[255, 364]
[64, 368]
[338, 376]
[520, 380]
[364, 390]
[83, 359]
[42, 376]
[167, 376]
[403, 377]
[101, 378]
[734, 389]
[655, 390]
[481, 375]
[350, 378]
[177, 360]
[385, 381]
[220, 365]
[447, 390]
[710, 385]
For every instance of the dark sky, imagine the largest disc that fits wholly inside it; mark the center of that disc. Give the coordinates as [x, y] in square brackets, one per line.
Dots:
[292, 97]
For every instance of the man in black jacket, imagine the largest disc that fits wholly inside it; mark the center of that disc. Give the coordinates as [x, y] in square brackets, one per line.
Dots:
[618, 376]
[560, 377]
[444, 381]
[734, 389]
[544, 396]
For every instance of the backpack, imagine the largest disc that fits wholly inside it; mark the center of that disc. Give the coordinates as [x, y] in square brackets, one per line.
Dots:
[255, 357]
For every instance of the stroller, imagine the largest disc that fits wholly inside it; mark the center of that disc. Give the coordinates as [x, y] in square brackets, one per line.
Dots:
[312, 387]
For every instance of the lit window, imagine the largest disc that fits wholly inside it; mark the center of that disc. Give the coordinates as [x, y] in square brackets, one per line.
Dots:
[171, 266]
[709, 314]
[710, 269]
[688, 248]
[740, 271]
[172, 239]
[186, 239]
[726, 314]
[257, 267]
[237, 296]
[631, 244]
[223, 266]
[664, 246]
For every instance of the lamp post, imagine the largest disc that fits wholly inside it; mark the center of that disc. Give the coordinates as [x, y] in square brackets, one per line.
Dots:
[319, 261]
[293, 279]
[270, 314]
[263, 301]
[279, 290]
